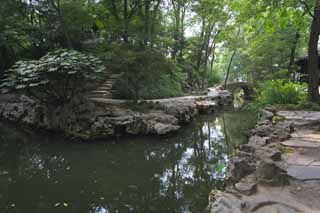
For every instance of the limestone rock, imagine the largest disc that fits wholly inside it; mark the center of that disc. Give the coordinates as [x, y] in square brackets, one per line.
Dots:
[270, 173]
[268, 153]
[266, 114]
[239, 168]
[275, 132]
[257, 141]
[221, 202]
[247, 185]
[162, 129]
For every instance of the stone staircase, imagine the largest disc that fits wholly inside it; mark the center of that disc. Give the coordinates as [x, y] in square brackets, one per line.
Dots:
[105, 88]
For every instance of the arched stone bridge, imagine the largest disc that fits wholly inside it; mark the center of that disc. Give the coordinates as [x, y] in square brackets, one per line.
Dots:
[245, 86]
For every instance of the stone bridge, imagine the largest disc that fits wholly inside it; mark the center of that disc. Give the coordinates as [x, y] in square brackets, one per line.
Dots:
[245, 86]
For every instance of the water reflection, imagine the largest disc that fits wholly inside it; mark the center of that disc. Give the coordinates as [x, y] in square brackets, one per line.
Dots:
[175, 174]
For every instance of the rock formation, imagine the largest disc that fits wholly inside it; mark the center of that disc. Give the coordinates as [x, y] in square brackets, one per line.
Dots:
[94, 118]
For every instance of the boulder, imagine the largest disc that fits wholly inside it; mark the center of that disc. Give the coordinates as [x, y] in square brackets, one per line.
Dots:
[275, 132]
[159, 123]
[258, 141]
[271, 173]
[162, 129]
[239, 167]
[266, 114]
[247, 185]
[222, 202]
[268, 153]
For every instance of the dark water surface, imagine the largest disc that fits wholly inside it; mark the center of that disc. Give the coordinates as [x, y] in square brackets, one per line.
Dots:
[46, 174]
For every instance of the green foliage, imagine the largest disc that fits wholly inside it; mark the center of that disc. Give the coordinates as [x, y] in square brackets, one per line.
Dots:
[214, 78]
[278, 118]
[56, 76]
[266, 37]
[280, 92]
[146, 73]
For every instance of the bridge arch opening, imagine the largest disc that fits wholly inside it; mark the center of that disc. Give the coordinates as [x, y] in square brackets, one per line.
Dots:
[245, 89]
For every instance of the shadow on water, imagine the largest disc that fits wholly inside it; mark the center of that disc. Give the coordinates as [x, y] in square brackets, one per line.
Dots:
[142, 174]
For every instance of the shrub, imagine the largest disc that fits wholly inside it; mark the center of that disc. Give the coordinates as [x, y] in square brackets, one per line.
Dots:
[214, 78]
[278, 93]
[281, 92]
[146, 73]
[55, 78]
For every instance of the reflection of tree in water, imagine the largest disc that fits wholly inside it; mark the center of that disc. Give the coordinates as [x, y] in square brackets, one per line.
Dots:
[198, 167]
[236, 126]
[135, 175]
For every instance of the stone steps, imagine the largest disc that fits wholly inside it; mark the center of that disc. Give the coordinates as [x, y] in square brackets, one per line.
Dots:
[105, 89]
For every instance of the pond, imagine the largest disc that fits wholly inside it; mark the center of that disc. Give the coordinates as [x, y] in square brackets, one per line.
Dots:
[44, 173]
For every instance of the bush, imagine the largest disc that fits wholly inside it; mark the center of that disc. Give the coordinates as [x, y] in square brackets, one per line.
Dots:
[146, 73]
[281, 92]
[55, 78]
[214, 78]
[278, 93]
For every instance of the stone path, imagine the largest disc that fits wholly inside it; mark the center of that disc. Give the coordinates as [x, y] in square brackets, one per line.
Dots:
[304, 172]
[212, 95]
[304, 161]
[301, 118]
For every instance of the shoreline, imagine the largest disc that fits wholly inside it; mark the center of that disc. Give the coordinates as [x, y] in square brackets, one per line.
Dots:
[278, 170]
[89, 119]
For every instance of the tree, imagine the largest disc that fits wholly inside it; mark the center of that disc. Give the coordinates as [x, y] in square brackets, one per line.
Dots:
[313, 62]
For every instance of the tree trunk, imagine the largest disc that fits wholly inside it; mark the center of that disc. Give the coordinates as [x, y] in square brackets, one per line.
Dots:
[199, 55]
[147, 29]
[153, 22]
[229, 68]
[313, 62]
[181, 33]
[293, 52]
[176, 36]
[213, 56]
[126, 22]
[57, 7]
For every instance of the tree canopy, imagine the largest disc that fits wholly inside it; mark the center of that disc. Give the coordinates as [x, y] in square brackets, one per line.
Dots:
[207, 40]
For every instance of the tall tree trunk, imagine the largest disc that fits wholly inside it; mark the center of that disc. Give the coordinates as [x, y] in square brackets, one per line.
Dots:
[147, 30]
[213, 56]
[229, 68]
[177, 14]
[313, 62]
[57, 7]
[199, 55]
[153, 21]
[293, 52]
[126, 22]
[181, 32]
[207, 48]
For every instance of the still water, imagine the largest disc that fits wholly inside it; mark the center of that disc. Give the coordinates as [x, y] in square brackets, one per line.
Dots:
[47, 174]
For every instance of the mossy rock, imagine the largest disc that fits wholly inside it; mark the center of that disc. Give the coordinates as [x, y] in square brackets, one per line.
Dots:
[284, 149]
[277, 118]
